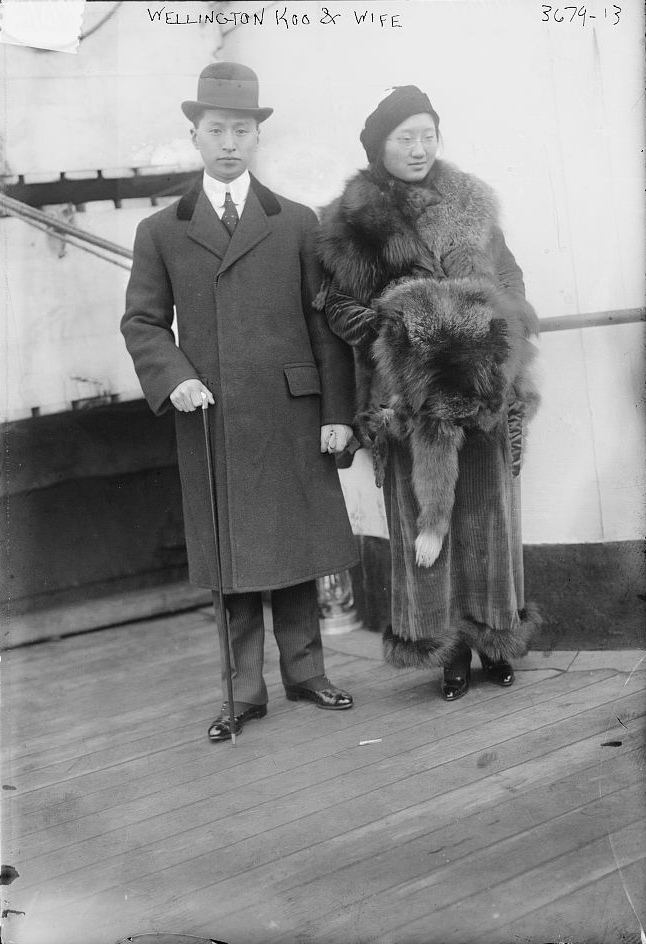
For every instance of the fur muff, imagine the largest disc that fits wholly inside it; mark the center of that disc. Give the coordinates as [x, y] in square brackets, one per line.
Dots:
[450, 355]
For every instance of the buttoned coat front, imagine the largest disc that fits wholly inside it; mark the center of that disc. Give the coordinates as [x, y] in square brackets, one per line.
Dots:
[246, 328]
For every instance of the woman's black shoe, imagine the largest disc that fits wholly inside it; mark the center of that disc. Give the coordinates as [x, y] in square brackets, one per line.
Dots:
[457, 676]
[499, 672]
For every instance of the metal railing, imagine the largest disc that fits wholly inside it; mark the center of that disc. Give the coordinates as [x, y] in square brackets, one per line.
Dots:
[88, 242]
[593, 319]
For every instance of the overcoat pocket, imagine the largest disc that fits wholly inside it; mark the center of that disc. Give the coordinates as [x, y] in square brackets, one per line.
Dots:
[302, 379]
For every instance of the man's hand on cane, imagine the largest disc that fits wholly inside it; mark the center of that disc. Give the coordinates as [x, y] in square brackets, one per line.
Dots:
[187, 396]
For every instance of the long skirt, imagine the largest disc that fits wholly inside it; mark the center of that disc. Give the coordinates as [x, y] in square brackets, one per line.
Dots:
[474, 591]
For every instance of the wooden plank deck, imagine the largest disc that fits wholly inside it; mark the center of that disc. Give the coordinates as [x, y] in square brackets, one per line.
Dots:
[506, 817]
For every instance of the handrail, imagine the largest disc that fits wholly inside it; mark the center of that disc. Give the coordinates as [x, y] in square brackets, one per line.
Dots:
[72, 241]
[593, 319]
[63, 230]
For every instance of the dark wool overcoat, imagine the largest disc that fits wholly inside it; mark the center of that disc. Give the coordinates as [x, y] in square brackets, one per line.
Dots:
[246, 328]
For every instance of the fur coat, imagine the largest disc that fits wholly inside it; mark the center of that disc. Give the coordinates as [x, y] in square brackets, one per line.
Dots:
[451, 346]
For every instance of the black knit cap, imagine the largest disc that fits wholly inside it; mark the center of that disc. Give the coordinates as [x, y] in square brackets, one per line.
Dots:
[404, 101]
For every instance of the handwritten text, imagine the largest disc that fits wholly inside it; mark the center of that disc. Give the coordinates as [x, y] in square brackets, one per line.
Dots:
[580, 14]
[283, 17]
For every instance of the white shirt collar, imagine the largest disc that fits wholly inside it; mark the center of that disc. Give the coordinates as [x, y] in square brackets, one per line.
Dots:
[216, 189]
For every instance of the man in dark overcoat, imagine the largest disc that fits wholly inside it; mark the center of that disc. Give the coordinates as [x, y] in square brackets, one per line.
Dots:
[234, 266]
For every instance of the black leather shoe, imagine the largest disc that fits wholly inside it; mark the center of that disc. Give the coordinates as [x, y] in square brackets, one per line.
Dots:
[220, 730]
[329, 697]
[457, 676]
[499, 672]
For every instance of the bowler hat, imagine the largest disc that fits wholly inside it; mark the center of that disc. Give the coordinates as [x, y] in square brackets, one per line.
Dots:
[229, 86]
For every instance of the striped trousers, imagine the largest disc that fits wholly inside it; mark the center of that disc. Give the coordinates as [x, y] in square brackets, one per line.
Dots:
[297, 632]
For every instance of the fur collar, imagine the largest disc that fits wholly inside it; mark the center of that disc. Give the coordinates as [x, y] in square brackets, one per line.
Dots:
[381, 229]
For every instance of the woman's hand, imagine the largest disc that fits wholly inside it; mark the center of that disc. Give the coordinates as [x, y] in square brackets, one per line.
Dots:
[335, 437]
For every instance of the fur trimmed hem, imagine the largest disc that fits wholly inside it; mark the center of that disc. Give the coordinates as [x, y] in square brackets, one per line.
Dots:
[434, 653]
[416, 653]
[504, 644]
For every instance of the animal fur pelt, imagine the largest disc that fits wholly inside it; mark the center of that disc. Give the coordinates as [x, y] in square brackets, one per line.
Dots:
[450, 356]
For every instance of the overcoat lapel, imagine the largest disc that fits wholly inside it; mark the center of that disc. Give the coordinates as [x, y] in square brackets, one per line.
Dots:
[207, 229]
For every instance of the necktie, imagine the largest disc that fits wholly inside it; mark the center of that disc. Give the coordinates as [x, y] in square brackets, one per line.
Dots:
[230, 216]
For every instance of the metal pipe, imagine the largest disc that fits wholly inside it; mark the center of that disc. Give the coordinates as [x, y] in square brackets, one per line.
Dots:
[25, 212]
[73, 241]
[595, 319]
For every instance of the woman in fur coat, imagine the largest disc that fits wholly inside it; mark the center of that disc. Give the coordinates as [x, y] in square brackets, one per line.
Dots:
[423, 286]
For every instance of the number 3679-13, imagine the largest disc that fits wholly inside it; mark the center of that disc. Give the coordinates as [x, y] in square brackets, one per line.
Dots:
[571, 13]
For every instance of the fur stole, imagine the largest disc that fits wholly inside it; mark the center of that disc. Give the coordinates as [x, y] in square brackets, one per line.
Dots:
[381, 229]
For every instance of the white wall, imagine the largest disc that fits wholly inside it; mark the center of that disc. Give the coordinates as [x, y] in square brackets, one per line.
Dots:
[113, 106]
[552, 116]
[62, 310]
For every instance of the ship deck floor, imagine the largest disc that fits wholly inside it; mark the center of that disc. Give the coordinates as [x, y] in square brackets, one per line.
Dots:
[510, 816]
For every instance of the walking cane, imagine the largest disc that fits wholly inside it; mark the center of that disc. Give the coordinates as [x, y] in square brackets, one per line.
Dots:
[224, 623]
